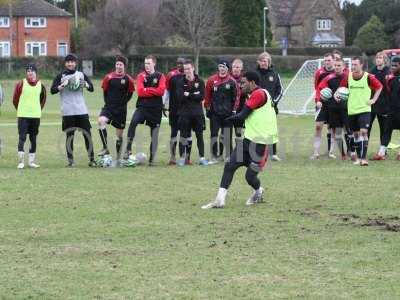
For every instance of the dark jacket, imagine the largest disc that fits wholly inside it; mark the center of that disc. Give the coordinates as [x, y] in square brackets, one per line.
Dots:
[271, 81]
[382, 104]
[190, 95]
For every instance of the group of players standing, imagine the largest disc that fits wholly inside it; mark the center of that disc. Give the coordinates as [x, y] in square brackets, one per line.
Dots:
[373, 95]
[181, 95]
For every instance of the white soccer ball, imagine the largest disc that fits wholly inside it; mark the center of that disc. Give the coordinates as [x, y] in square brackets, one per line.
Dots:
[74, 82]
[140, 158]
[106, 161]
[342, 94]
[326, 94]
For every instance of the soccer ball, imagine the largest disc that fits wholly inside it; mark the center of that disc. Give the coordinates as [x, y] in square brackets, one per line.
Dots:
[140, 158]
[105, 161]
[342, 94]
[326, 94]
[74, 82]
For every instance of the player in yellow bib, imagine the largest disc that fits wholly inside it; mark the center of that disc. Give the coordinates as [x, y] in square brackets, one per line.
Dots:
[361, 85]
[29, 99]
[260, 131]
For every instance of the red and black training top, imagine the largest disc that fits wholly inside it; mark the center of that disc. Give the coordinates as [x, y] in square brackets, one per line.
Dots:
[222, 95]
[319, 75]
[117, 90]
[150, 89]
[332, 81]
[257, 99]
[393, 92]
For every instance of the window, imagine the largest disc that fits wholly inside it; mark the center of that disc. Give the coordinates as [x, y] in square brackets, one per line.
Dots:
[5, 49]
[324, 24]
[62, 49]
[36, 49]
[33, 22]
[4, 22]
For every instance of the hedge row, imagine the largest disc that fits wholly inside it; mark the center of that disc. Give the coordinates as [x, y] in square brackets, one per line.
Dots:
[49, 66]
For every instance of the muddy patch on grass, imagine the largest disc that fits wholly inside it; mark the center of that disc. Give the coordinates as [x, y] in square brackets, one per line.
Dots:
[387, 223]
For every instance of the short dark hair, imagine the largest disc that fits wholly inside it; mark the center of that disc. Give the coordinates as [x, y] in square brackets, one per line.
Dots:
[122, 59]
[252, 76]
[396, 59]
[359, 58]
[339, 59]
[188, 62]
[152, 57]
[71, 57]
[328, 54]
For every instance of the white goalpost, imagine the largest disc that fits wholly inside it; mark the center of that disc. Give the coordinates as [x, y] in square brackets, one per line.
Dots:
[298, 97]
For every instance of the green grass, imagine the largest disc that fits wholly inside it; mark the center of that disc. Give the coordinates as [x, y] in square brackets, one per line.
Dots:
[140, 233]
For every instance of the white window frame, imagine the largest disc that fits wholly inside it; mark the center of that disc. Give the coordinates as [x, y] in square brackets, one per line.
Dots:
[35, 44]
[2, 43]
[3, 21]
[324, 24]
[30, 20]
[62, 44]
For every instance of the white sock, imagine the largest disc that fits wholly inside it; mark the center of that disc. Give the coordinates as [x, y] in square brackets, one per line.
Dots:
[221, 194]
[21, 156]
[382, 150]
[259, 191]
[317, 144]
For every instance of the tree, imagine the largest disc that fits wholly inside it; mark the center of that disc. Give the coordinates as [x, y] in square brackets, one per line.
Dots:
[118, 26]
[85, 7]
[357, 16]
[244, 23]
[371, 37]
[199, 22]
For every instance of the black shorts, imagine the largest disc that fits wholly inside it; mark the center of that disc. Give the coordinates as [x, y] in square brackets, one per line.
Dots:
[359, 121]
[337, 118]
[173, 121]
[28, 126]
[394, 120]
[197, 123]
[248, 153]
[76, 122]
[217, 122]
[322, 114]
[116, 118]
[149, 116]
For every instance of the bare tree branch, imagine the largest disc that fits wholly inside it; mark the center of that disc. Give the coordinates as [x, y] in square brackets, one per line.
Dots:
[198, 21]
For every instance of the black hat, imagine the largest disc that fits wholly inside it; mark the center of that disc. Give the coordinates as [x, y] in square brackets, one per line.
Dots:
[224, 62]
[31, 67]
[71, 57]
[123, 59]
[396, 59]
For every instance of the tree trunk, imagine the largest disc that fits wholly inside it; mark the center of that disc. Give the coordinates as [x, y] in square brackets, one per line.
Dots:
[196, 58]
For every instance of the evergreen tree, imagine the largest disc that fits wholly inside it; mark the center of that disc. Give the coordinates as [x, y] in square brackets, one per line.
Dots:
[244, 23]
[371, 37]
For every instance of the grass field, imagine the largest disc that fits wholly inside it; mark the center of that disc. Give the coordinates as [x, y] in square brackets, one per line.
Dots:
[328, 229]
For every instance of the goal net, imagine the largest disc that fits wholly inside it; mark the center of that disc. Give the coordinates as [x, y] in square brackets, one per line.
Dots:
[298, 97]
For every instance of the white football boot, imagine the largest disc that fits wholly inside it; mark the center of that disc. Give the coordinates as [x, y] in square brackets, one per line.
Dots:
[31, 161]
[257, 197]
[21, 160]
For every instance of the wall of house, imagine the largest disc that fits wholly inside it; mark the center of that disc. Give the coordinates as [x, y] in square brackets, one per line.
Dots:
[57, 30]
[298, 36]
[324, 10]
